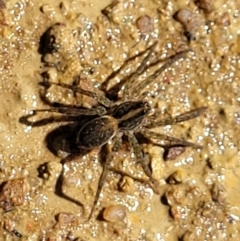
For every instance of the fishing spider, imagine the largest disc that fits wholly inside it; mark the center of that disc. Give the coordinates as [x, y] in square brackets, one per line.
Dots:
[111, 120]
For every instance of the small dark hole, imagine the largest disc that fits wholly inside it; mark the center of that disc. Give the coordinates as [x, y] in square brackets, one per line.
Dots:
[164, 200]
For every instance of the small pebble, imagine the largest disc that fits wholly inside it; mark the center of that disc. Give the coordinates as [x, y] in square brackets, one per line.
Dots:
[145, 24]
[114, 213]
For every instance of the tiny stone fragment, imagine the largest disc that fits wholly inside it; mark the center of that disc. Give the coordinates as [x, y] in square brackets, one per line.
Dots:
[114, 213]
[13, 193]
[206, 5]
[65, 218]
[177, 177]
[145, 24]
[173, 152]
[218, 193]
[190, 21]
[126, 184]
[46, 8]
[224, 20]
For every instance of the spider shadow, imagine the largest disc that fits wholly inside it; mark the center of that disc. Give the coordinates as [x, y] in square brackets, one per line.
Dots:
[61, 141]
[58, 141]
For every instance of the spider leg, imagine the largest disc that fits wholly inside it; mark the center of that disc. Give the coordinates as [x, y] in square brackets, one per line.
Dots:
[139, 155]
[179, 118]
[138, 72]
[106, 167]
[171, 140]
[53, 119]
[69, 114]
[59, 182]
[100, 98]
[74, 111]
[153, 76]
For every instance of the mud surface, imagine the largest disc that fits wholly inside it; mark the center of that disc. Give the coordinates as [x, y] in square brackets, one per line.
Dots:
[97, 45]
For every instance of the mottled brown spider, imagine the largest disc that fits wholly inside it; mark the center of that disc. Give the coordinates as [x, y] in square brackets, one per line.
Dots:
[112, 120]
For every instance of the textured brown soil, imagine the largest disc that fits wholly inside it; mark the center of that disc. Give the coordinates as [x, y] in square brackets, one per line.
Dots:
[200, 188]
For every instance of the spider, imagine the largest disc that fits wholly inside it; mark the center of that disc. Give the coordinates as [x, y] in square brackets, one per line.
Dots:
[127, 117]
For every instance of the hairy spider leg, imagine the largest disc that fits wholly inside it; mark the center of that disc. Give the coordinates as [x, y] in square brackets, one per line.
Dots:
[159, 71]
[99, 98]
[117, 71]
[73, 111]
[70, 114]
[140, 158]
[137, 73]
[176, 119]
[172, 141]
[52, 119]
[106, 167]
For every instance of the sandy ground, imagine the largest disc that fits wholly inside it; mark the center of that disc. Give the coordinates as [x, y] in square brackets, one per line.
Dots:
[200, 188]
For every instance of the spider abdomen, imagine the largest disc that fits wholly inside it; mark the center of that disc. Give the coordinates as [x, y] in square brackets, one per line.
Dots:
[97, 132]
